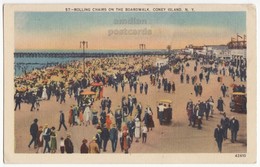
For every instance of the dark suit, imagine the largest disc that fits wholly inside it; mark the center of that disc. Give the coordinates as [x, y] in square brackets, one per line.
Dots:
[146, 88]
[207, 110]
[33, 132]
[234, 127]
[62, 121]
[219, 135]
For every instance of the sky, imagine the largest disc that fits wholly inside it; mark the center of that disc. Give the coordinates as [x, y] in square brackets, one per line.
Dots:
[121, 31]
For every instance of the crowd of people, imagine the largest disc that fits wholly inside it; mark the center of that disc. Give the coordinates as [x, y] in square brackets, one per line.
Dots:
[130, 120]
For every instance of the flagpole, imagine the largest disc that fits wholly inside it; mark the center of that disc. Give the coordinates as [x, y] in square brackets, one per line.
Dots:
[237, 41]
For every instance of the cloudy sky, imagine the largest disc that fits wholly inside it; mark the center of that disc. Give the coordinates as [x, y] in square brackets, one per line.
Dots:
[117, 31]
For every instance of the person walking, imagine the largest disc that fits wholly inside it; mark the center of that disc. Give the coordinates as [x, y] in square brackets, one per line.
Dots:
[33, 101]
[218, 135]
[123, 86]
[113, 135]
[98, 138]
[87, 114]
[39, 140]
[62, 120]
[173, 87]
[200, 89]
[105, 137]
[118, 117]
[225, 125]
[189, 109]
[223, 89]
[46, 137]
[234, 127]
[53, 140]
[34, 131]
[137, 129]
[141, 87]
[145, 88]
[139, 110]
[126, 141]
[18, 100]
[196, 89]
[220, 105]
[160, 109]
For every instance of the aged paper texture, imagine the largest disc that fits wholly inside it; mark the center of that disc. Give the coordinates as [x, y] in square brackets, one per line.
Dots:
[129, 83]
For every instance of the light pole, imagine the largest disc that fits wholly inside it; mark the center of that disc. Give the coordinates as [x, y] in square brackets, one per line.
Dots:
[84, 45]
[142, 47]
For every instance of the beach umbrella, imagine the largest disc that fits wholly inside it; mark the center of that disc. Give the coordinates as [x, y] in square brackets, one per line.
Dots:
[87, 92]
[165, 101]
[21, 89]
[96, 84]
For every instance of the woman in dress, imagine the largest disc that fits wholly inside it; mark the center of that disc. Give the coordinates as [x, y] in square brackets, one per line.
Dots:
[150, 118]
[53, 140]
[81, 120]
[87, 114]
[44, 93]
[137, 129]
[71, 117]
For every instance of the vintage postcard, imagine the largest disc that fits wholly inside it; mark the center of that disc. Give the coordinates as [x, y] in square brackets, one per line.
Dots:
[129, 83]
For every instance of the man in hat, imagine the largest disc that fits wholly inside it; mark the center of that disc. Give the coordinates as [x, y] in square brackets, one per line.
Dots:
[99, 139]
[84, 147]
[103, 117]
[123, 86]
[160, 109]
[139, 110]
[219, 135]
[131, 128]
[108, 103]
[18, 100]
[62, 120]
[113, 137]
[69, 148]
[234, 127]
[62, 96]
[141, 87]
[225, 125]
[34, 132]
[118, 117]
[46, 137]
[93, 146]
[145, 88]
[223, 89]
[33, 101]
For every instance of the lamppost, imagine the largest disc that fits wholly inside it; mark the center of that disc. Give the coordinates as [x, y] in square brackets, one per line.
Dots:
[142, 47]
[84, 45]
